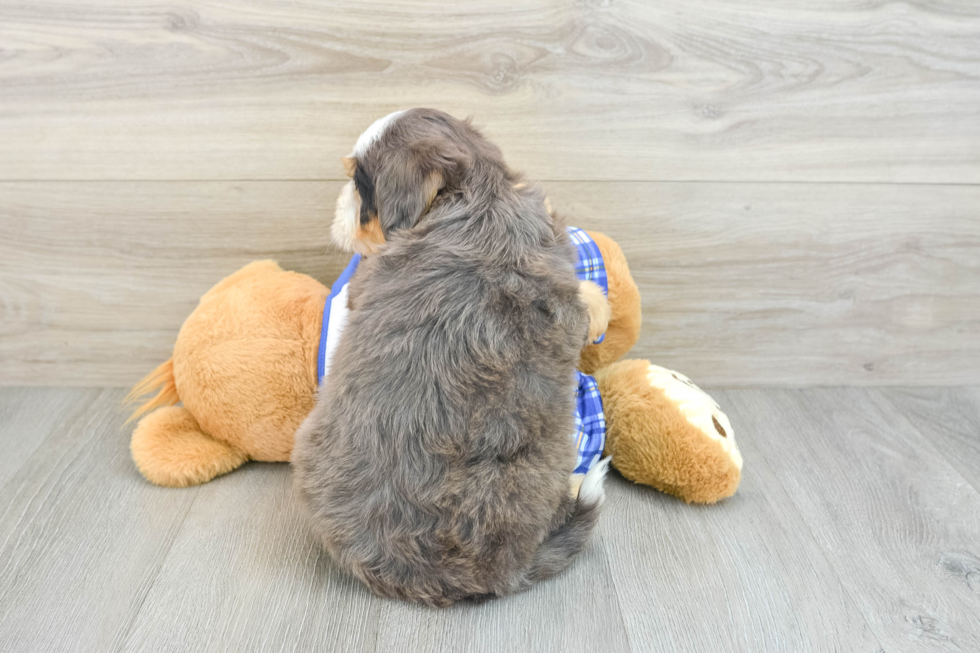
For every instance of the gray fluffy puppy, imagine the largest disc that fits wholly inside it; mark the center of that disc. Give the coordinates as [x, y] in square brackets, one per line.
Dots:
[436, 463]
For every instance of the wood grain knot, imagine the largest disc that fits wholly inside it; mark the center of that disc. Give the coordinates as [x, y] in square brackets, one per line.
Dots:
[182, 20]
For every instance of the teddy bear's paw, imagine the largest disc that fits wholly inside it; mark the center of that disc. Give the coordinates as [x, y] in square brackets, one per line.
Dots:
[600, 311]
[700, 410]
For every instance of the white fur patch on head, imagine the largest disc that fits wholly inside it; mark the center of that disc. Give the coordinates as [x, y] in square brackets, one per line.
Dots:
[700, 410]
[593, 489]
[373, 133]
[345, 220]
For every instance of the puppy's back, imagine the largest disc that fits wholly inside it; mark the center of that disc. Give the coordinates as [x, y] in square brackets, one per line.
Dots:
[436, 462]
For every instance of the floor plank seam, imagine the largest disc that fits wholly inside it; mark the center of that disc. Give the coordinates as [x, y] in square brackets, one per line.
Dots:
[124, 640]
[71, 417]
[928, 443]
[59, 472]
[838, 578]
[612, 579]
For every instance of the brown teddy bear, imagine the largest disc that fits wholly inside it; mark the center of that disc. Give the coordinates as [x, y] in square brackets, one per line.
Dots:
[248, 360]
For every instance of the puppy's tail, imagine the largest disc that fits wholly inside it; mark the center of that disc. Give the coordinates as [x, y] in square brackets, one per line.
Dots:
[162, 380]
[569, 538]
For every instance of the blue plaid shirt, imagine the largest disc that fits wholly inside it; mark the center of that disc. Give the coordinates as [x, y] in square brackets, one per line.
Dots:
[590, 422]
[590, 266]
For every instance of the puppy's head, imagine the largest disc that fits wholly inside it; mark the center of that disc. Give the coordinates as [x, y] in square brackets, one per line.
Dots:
[398, 168]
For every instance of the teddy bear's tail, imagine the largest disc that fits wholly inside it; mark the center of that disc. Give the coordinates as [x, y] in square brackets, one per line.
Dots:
[162, 380]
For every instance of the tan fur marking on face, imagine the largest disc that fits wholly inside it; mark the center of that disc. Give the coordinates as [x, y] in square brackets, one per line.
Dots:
[599, 309]
[369, 237]
[547, 206]
[350, 165]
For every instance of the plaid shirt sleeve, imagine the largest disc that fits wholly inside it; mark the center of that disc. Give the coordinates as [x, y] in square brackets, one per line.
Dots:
[590, 423]
[590, 266]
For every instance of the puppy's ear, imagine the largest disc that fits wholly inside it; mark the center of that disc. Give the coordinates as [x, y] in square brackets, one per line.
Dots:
[411, 179]
[350, 165]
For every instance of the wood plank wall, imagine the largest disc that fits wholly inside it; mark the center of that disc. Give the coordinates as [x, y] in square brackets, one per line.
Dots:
[796, 185]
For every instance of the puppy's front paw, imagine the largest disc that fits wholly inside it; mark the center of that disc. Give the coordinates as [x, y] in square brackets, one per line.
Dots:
[599, 309]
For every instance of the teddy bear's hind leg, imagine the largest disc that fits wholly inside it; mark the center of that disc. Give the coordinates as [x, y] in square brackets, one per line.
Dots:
[171, 449]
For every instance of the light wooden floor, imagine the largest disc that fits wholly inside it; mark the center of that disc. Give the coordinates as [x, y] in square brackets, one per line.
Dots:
[857, 528]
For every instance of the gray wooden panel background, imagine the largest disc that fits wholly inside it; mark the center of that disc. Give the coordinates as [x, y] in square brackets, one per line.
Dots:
[743, 284]
[795, 185]
[597, 89]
